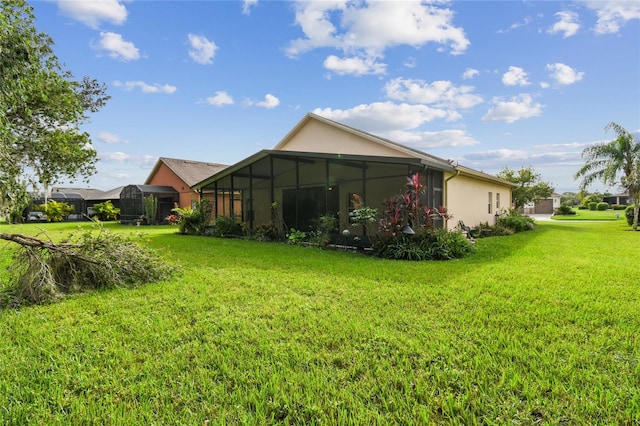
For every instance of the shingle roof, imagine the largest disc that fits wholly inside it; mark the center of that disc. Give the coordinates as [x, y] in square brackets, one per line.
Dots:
[191, 172]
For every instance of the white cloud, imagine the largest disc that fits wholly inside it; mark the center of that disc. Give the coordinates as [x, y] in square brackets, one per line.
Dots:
[568, 24]
[440, 93]
[386, 116]
[202, 50]
[355, 66]
[220, 98]
[515, 77]
[247, 5]
[113, 156]
[432, 140]
[146, 88]
[117, 47]
[564, 74]
[369, 27]
[91, 13]
[469, 73]
[613, 14]
[107, 137]
[269, 102]
[517, 108]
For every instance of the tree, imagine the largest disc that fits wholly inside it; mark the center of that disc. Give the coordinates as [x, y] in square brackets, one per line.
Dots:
[530, 186]
[41, 108]
[614, 162]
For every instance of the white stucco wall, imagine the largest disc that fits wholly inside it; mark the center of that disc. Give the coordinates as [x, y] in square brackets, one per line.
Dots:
[467, 199]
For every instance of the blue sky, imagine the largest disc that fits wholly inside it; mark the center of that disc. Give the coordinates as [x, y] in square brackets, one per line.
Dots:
[489, 84]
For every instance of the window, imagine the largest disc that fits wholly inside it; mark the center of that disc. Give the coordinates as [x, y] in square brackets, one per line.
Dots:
[497, 201]
[490, 205]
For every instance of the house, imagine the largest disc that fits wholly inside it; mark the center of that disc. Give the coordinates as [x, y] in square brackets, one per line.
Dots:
[621, 199]
[182, 175]
[92, 196]
[544, 206]
[320, 164]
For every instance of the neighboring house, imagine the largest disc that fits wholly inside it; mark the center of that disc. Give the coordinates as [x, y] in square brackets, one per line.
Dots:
[622, 199]
[320, 164]
[92, 196]
[544, 206]
[182, 175]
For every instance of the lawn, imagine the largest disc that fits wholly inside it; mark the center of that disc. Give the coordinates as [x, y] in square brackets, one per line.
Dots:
[592, 215]
[538, 327]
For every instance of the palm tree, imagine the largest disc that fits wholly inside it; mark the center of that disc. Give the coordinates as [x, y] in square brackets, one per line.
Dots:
[614, 162]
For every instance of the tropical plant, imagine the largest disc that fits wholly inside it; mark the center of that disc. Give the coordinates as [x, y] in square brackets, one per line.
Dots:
[106, 211]
[150, 209]
[614, 162]
[56, 211]
[194, 221]
[361, 214]
[295, 236]
[530, 187]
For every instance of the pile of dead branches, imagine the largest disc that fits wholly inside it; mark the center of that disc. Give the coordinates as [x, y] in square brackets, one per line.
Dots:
[43, 271]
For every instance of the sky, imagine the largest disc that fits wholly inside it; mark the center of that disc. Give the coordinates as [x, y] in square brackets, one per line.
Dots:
[488, 84]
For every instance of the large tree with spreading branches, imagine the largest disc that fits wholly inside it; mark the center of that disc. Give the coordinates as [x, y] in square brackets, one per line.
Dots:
[530, 187]
[614, 163]
[42, 108]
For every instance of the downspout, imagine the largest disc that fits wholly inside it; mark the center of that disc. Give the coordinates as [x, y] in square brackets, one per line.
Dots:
[446, 193]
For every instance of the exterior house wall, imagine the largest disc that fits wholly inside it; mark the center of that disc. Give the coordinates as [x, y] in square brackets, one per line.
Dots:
[164, 176]
[467, 199]
[316, 136]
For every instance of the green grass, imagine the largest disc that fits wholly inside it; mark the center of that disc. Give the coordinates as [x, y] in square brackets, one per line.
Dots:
[538, 327]
[592, 215]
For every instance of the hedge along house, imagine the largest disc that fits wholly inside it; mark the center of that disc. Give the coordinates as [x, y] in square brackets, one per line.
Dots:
[320, 164]
[132, 198]
[182, 175]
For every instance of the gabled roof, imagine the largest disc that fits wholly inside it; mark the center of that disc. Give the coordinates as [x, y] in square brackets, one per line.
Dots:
[409, 152]
[191, 172]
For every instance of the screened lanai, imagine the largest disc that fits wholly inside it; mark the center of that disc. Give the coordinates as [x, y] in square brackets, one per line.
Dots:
[306, 186]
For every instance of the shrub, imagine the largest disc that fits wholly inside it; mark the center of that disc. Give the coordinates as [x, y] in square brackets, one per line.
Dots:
[516, 221]
[295, 236]
[602, 206]
[628, 214]
[55, 211]
[226, 226]
[565, 210]
[439, 244]
[194, 221]
[592, 205]
[106, 211]
[618, 206]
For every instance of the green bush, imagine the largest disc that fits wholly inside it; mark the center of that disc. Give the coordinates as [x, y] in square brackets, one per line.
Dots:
[194, 221]
[628, 214]
[55, 211]
[106, 211]
[439, 244]
[516, 221]
[618, 206]
[565, 210]
[602, 206]
[592, 205]
[226, 226]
